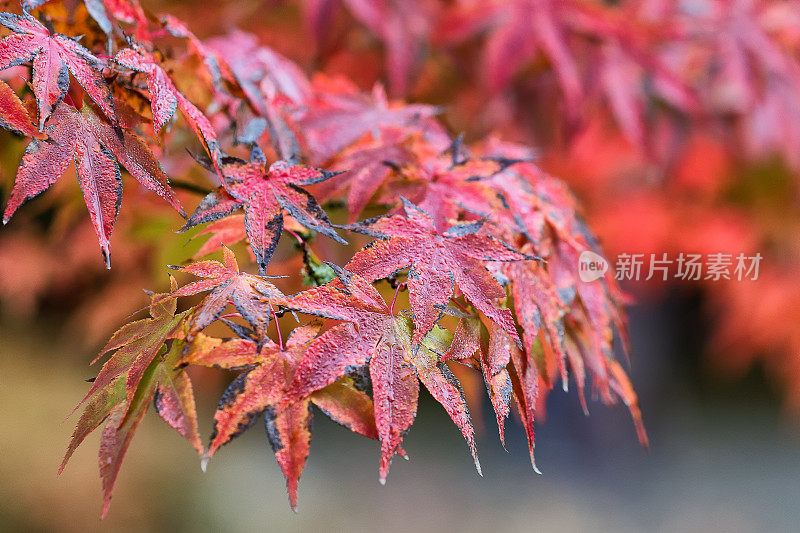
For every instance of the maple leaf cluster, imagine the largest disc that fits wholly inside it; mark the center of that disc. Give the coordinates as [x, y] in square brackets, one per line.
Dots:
[655, 112]
[482, 240]
[642, 62]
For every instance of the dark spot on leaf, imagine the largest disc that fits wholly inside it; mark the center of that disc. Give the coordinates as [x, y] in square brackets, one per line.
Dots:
[234, 389]
[273, 434]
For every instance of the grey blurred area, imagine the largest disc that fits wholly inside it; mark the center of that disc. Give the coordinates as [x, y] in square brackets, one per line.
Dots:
[724, 457]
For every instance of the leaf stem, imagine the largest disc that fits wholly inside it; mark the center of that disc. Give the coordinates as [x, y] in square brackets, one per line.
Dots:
[300, 240]
[458, 304]
[394, 298]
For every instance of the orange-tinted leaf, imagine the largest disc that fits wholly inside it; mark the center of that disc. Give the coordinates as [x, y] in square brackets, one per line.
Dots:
[14, 115]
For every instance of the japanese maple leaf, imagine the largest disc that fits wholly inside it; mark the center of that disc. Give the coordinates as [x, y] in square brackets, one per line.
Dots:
[97, 149]
[263, 74]
[466, 347]
[337, 118]
[593, 316]
[565, 31]
[266, 195]
[165, 97]
[446, 185]
[224, 232]
[138, 343]
[525, 382]
[587, 351]
[402, 26]
[507, 371]
[366, 166]
[54, 57]
[376, 334]
[537, 305]
[143, 369]
[370, 163]
[14, 115]
[532, 201]
[438, 261]
[753, 71]
[512, 43]
[565, 320]
[249, 294]
[259, 389]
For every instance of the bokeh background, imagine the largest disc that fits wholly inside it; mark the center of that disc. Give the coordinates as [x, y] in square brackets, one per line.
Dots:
[716, 366]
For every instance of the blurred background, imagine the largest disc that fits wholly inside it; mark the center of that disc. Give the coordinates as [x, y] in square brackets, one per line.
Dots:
[677, 125]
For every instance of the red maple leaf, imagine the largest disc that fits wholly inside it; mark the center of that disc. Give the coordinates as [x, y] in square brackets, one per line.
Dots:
[466, 347]
[374, 333]
[165, 97]
[446, 184]
[249, 294]
[97, 149]
[54, 57]
[439, 259]
[260, 388]
[266, 195]
[263, 74]
[366, 165]
[339, 116]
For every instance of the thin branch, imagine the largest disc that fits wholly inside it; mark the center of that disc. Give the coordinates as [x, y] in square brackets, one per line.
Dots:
[189, 186]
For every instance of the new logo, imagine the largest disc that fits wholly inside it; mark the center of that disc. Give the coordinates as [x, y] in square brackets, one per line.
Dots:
[591, 266]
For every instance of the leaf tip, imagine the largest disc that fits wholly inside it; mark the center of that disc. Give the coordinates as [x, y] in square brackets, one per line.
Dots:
[106, 505]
